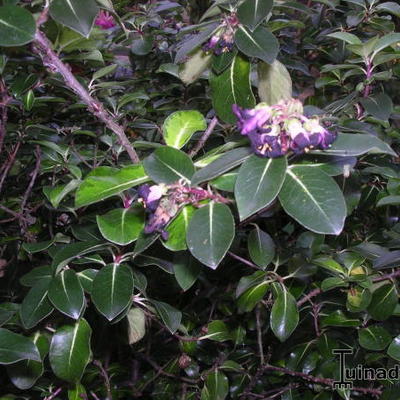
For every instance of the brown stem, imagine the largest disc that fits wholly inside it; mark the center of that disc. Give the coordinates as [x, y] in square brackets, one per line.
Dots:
[259, 335]
[4, 100]
[321, 381]
[243, 260]
[51, 60]
[106, 378]
[33, 179]
[8, 164]
[207, 133]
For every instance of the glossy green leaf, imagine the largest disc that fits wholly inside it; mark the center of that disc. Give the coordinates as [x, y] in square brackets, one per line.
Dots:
[136, 325]
[210, 233]
[252, 296]
[36, 305]
[142, 46]
[394, 348]
[314, 200]
[86, 278]
[258, 183]
[169, 165]
[222, 61]
[249, 281]
[390, 7]
[169, 315]
[179, 127]
[17, 26]
[345, 37]
[374, 338]
[57, 194]
[186, 270]
[112, 290]
[347, 145]
[70, 351]
[35, 275]
[104, 182]
[274, 82]
[379, 106]
[24, 374]
[232, 87]
[66, 254]
[338, 318]
[78, 392]
[284, 315]
[261, 247]
[66, 294]
[261, 43]
[383, 303]
[218, 331]
[216, 386]
[177, 228]
[252, 12]
[76, 14]
[15, 347]
[121, 225]
[226, 162]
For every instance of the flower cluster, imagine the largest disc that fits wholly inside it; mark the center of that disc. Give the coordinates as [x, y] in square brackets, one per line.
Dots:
[105, 20]
[162, 202]
[275, 130]
[223, 40]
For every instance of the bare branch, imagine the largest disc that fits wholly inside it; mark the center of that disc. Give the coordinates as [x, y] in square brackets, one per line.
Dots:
[207, 133]
[52, 61]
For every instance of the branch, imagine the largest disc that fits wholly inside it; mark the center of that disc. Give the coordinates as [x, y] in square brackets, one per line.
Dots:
[33, 179]
[207, 133]
[42, 47]
[4, 100]
[320, 381]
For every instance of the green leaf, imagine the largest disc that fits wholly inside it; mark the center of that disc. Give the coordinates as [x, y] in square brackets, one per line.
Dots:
[86, 278]
[261, 247]
[284, 315]
[384, 301]
[232, 87]
[261, 43]
[38, 246]
[330, 264]
[346, 37]
[179, 127]
[338, 318]
[355, 145]
[71, 251]
[136, 325]
[142, 46]
[222, 61]
[374, 338]
[177, 229]
[57, 193]
[274, 82]
[24, 374]
[313, 199]
[394, 348]
[252, 296]
[249, 281]
[252, 12]
[121, 225]
[169, 315]
[210, 233]
[168, 165]
[15, 347]
[112, 290]
[36, 306]
[35, 275]
[77, 393]
[144, 260]
[194, 67]
[76, 14]
[385, 41]
[218, 331]
[66, 294]
[388, 201]
[379, 106]
[186, 270]
[390, 7]
[226, 162]
[104, 182]
[258, 183]
[17, 26]
[216, 386]
[70, 351]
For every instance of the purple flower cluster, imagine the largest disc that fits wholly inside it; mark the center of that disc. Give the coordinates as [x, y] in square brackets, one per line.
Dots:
[276, 130]
[105, 20]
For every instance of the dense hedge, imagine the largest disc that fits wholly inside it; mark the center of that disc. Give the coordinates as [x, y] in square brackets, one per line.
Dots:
[199, 199]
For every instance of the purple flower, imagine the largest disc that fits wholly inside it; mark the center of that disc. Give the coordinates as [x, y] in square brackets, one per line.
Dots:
[105, 20]
[251, 120]
[150, 196]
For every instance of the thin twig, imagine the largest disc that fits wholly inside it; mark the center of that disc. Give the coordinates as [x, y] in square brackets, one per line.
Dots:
[106, 378]
[259, 335]
[51, 60]
[243, 260]
[8, 164]
[33, 179]
[207, 133]
[4, 100]
[53, 395]
[321, 381]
